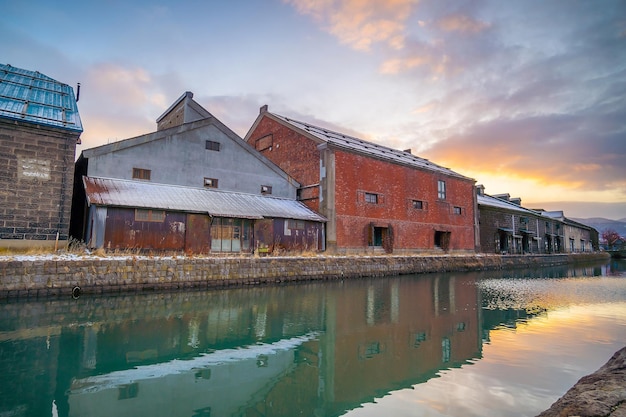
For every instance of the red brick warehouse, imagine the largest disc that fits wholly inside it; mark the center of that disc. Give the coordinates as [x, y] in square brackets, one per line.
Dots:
[375, 198]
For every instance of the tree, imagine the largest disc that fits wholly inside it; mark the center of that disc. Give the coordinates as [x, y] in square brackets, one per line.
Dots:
[610, 236]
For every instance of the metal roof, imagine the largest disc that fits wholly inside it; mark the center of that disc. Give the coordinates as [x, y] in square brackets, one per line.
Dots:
[140, 194]
[369, 148]
[33, 97]
[487, 200]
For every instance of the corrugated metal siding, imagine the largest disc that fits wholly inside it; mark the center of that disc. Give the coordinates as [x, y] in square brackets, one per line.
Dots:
[369, 148]
[124, 193]
[33, 97]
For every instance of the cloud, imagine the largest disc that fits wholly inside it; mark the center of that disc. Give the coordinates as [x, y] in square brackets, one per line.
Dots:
[360, 23]
[461, 23]
[119, 101]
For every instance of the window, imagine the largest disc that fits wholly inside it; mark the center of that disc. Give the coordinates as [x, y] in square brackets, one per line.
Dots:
[141, 174]
[441, 190]
[127, 391]
[210, 182]
[265, 142]
[418, 338]
[143, 215]
[418, 205]
[371, 198]
[295, 224]
[372, 349]
[266, 189]
[445, 350]
[212, 146]
[457, 210]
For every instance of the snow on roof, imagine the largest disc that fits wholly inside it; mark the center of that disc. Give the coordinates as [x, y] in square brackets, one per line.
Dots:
[140, 194]
[369, 148]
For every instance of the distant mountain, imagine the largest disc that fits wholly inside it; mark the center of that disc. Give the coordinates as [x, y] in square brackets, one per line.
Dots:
[601, 224]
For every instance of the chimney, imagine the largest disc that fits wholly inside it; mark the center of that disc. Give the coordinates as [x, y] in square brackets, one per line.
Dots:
[263, 109]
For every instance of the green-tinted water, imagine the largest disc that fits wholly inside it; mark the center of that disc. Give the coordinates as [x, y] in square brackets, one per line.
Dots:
[465, 344]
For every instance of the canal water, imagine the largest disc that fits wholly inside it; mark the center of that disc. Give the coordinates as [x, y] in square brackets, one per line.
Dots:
[505, 343]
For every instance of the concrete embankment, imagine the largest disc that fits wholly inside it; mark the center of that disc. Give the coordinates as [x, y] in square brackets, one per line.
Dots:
[602, 393]
[57, 275]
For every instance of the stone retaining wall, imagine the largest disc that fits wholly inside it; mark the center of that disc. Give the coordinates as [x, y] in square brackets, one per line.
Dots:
[94, 275]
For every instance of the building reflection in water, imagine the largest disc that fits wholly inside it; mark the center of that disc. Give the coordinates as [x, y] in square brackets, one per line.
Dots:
[317, 349]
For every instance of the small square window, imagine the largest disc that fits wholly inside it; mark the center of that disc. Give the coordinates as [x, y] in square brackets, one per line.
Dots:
[371, 198]
[210, 182]
[212, 146]
[141, 174]
[266, 189]
[418, 204]
[457, 210]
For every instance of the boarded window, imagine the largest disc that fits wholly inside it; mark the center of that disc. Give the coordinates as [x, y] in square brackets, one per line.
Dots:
[265, 142]
[212, 146]
[141, 174]
[143, 215]
[295, 224]
[210, 182]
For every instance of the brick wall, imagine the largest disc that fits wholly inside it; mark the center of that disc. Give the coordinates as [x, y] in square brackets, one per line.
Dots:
[354, 175]
[100, 275]
[396, 187]
[295, 154]
[36, 174]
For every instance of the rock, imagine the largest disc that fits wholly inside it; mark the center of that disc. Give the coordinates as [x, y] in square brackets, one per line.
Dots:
[602, 393]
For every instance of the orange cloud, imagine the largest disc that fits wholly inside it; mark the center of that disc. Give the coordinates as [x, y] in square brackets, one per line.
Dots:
[461, 23]
[118, 102]
[360, 23]
[129, 85]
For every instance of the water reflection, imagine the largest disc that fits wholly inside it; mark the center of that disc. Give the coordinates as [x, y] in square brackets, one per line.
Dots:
[315, 349]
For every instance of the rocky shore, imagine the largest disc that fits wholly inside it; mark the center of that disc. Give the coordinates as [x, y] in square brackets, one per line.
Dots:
[600, 394]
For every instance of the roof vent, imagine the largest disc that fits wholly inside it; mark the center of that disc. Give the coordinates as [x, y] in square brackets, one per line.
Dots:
[408, 151]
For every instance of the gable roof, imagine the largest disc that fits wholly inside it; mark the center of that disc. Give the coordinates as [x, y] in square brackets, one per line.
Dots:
[192, 111]
[30, 96]
[140, 194]
[495, 202]
[162, 134]
[353, 144]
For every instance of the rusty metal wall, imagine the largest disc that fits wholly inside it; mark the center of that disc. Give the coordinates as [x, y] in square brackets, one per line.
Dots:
[122, 231]
[198, 234]
[194, 233]
[298, 235]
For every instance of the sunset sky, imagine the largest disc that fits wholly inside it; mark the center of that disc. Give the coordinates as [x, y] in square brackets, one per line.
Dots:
[526, 97]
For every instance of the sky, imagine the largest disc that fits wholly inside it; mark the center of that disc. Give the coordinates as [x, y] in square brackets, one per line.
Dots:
[526, 97]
